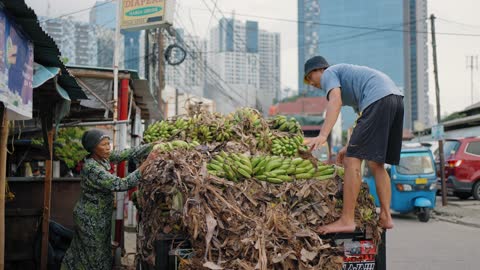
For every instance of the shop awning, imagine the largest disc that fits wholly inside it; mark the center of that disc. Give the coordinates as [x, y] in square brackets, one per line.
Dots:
[42, 74]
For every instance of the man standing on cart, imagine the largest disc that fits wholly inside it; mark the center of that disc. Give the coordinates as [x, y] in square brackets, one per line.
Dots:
[376, 138]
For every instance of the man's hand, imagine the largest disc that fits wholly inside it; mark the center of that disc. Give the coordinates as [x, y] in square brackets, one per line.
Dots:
[341, 155]
[316, 142]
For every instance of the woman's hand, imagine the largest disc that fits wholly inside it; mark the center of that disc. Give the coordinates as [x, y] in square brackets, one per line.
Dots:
[153, 155]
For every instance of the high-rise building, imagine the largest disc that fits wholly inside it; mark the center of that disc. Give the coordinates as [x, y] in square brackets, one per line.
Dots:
[103, 15]
[270, 86]
[132, 50]
[76, 40]
[394, 41]
[85, 44]
[106, 46]
[61, 31]
[416, 64]
[189, 76]
[248, 61]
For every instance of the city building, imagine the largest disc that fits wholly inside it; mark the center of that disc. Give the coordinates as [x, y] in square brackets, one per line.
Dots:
[270, 87]
[189, 76]
[61, 31]
[247, 59]
[394, 41]
[76, 40]
[85, 44]
[103, 15]
[106, 47]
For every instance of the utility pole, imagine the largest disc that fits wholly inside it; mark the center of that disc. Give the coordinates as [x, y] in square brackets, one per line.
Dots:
[161, 69]
[437, 93]
[472, 64]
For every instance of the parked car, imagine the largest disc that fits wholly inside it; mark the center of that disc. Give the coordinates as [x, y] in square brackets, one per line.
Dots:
[462, 167]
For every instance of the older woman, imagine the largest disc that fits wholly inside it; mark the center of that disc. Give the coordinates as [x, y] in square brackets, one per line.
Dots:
[91, 244]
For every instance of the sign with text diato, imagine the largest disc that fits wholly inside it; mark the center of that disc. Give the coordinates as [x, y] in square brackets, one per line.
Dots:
[145, 14]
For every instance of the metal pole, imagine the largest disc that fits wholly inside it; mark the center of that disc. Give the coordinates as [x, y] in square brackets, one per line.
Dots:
[122, 144]
[47, 196]
[437, 93]
[116, 55]
[3, 181]
[176, 101]
[471, 77]
[97, 123]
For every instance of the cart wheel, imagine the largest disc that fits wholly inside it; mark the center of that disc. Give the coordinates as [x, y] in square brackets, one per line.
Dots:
[424, 214]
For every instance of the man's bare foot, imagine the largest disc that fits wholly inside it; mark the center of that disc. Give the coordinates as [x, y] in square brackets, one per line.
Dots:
[337, 227]
[386, 221]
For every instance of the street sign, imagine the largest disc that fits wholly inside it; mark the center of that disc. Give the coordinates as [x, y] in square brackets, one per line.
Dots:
[145, 14]
[438, 132]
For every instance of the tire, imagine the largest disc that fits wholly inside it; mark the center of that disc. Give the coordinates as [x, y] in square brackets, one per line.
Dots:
[476, 191]
[424, 214]
[462, 195]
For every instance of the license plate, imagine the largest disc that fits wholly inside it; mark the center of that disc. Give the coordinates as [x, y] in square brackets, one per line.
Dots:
[421, 181]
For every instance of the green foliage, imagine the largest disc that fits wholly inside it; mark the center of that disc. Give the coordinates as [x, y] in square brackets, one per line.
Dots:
[68, 145]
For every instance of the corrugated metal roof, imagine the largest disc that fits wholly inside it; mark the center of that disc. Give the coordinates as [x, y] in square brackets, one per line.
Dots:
[46, 51]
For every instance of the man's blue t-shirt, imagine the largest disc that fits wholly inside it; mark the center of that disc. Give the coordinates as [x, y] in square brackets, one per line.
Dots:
[360, 85]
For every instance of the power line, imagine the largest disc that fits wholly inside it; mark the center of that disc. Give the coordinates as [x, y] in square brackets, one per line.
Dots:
[79, 11]
[459, 23]
[275, 78]
[209, 70]
[211, 17]
[205, 64]
[344, 25]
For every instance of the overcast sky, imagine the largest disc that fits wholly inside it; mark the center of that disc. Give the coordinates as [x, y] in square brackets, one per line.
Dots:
[451, 50]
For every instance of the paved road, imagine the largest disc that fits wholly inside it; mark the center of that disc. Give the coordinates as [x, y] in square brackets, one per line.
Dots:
[435, 245]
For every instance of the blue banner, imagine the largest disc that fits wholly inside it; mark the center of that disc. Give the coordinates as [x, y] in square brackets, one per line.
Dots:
[16, 70]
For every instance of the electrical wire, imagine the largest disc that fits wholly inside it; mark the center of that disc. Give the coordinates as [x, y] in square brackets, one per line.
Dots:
[79, 11]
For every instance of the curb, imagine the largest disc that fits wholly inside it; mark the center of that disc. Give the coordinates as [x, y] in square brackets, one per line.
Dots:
[439, 216]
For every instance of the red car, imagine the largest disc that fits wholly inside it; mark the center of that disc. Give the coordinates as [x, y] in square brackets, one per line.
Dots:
[462, 167]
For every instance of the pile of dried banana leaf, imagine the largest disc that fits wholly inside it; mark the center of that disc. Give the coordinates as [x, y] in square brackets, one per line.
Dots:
[243, 222]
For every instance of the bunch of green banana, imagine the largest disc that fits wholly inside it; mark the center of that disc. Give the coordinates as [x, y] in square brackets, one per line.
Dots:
[202, 133]
[264, 139]
[273, 169]
[282, 123]
[177, 144]
[276, 169]
[157, 131]
[232, 166]
[250, 119]
[287, 146]
[223, 132]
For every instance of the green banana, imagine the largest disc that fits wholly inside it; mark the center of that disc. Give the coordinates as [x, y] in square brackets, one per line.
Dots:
[304, 176]
[274, 180]
[244, 173]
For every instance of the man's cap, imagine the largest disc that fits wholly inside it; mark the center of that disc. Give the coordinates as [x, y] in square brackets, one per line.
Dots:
[316, 62]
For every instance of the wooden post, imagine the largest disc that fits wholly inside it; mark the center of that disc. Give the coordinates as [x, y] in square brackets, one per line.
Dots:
[46, 201]
[3, 181]
[439, 120]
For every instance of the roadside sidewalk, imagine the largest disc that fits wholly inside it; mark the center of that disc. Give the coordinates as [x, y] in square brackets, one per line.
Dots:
[466, 212]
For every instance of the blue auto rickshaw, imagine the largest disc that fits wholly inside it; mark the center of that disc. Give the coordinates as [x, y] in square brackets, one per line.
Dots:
[413, 182]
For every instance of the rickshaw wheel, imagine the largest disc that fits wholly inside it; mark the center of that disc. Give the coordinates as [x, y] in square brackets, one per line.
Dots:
[424, 214]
